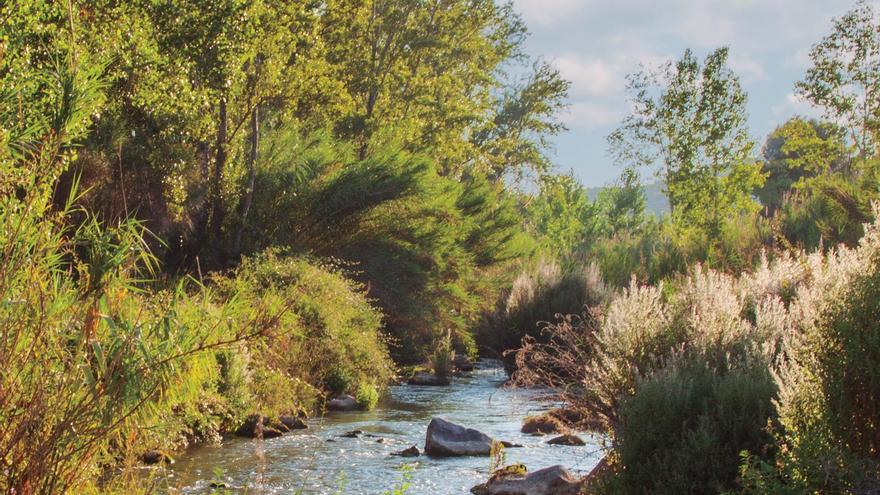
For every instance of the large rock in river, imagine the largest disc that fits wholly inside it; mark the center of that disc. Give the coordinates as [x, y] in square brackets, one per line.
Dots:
[449, 439]
[427, 379]
[554, 480]
[293, 422]
[342, 403]
[257, 426]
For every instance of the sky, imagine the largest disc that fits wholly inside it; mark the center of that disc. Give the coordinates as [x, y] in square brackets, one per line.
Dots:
[596, 43]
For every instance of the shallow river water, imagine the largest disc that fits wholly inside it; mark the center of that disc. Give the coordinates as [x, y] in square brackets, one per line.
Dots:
[319, 461]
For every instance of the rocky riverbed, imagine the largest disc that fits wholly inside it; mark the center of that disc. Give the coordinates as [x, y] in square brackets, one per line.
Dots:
[327, 458]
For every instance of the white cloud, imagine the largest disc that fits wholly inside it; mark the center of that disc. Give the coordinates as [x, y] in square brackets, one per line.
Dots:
[547, 12]
[791, 106]
[799, 60]
[587, 116]
[747, 67]
[590, 77]
[703, 26]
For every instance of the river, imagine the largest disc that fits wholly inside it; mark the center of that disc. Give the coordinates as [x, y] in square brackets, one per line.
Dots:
[319, 461]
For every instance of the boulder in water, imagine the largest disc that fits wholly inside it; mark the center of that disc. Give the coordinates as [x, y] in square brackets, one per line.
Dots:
[541, 425]
[554, 480]
[573, 440]
[293, 422]
[352, 434]
[427, 379]
[449, 439]
[257, 426]
[156, 457]
[342, 403]
[410, 452]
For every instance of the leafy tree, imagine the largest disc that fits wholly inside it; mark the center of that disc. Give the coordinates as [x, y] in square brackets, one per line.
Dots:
[845, 74]
[622, 205]
[689, 122]
[418, 72]
[798, 150]
[428, 247]
[561, 214]
[516, 139]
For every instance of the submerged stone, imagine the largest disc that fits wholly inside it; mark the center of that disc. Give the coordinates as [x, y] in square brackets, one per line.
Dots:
[410, 452]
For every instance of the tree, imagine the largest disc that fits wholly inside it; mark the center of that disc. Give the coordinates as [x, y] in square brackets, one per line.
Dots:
[419, 72]
[194, 86]
[845, 75]
[562, 215]
[622, 205]
[516, 139]
[689, 122]
[798, 150]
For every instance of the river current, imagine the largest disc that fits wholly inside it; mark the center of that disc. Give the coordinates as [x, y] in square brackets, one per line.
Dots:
[319, 460]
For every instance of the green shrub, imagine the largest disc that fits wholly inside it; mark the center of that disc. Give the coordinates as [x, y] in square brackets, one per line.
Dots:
[235, 379]
[443, 358]
[367, 396]
[339, 380]
[830, 379]
[327, 332]
[680, 374]
[662, 251]
[685, 427]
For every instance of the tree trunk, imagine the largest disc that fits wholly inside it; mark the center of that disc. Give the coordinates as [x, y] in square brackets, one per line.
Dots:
[217, 206]
[248, 198]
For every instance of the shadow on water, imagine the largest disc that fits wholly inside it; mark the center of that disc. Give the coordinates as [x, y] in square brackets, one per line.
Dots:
[319, 461]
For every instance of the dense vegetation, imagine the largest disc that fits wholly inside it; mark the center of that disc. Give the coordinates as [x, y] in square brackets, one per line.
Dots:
[739, 345]
[211, 210]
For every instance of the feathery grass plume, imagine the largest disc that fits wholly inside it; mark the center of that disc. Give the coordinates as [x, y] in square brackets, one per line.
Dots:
[540, 295]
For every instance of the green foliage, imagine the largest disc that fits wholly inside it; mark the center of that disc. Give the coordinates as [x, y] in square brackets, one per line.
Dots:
[443, 358]
[831, 209]
[366, 395]
[418, 75]
[683, 430]
[562, 215]
[622, 205]
[842, 78]
[662, 250]
[517, 138]
[403, 486]
[338, 380]
[796, 151]
[422, 243]
[680, 375]
[95, 362]
[688, 123]
[829, 380]
[326, 332]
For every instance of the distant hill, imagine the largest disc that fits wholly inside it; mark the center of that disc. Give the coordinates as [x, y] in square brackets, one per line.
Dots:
[655, 200]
